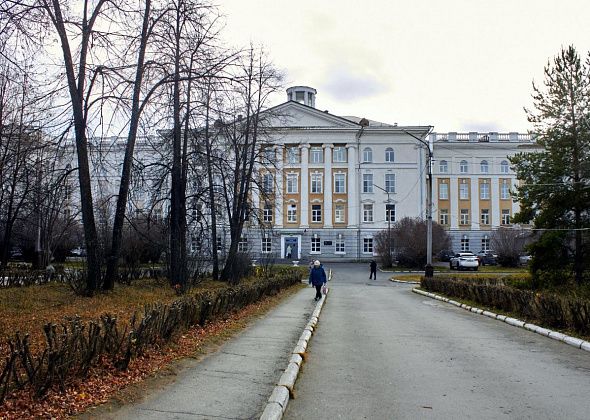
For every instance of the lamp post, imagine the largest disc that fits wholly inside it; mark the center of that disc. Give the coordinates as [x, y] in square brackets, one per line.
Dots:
[428, 270]
[388, 215]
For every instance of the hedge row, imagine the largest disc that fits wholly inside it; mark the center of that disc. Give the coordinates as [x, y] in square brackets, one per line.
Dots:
[74, 346]
[565, 312]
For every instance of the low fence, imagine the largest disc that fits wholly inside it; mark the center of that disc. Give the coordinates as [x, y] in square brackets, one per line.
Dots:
[74, 346]
[551, 310]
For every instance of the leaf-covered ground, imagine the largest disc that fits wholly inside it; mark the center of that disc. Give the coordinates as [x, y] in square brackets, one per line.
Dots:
[27, 309]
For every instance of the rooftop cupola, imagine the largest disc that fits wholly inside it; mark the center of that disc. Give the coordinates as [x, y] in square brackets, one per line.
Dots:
[302, 94]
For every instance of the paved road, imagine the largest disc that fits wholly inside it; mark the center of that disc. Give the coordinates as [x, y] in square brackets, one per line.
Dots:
[383, 352]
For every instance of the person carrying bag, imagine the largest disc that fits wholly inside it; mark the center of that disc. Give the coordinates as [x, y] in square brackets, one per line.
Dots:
[317, 278]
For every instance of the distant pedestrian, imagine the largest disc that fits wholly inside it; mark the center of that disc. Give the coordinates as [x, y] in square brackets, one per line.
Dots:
[317, 278]
[289, 250]
[373, 274]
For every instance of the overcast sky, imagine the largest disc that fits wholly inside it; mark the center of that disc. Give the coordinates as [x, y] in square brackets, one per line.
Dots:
[460, 65]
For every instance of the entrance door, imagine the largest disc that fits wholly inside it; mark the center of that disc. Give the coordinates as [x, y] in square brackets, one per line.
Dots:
[293, 243]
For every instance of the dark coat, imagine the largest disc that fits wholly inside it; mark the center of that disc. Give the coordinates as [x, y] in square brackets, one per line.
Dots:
[373, 266]
[317, 276]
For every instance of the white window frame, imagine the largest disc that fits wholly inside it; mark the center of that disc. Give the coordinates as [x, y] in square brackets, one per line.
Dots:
[504, 167]
[339, 213]
[367, 155]
[316, 245]
[389, 155]
[485, 217]
[268, 183]
[443, 191]
[267, 212]
[243, 244]
[484, 167]
[368, 245]
[443, 167]
[342, 190]
[485, 244]
[316, 154]
[390, 213]
[367, 183]
[340, 245]
[463, 191]
[484, 191]
[292, 213]
[464, 167]
[316, 181]
[464, 244]
[294, 177]
[368, 213]
[339, 154]
[266, 245]
[316, 213]
[505, 216]
[504, 190]
[390, 183]
[464, 217]
[443, 217]
[293, 155]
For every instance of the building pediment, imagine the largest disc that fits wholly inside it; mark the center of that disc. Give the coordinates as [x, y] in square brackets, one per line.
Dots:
[293, 115]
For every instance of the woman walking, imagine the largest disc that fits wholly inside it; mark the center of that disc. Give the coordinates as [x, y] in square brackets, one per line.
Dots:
[317, 278]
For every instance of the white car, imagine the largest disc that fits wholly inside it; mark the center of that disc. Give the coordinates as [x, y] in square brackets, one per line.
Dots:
[464, 261]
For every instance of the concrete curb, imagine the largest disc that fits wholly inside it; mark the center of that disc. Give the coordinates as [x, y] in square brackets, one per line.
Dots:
[404, 282]
[572, 341]
[283, 391]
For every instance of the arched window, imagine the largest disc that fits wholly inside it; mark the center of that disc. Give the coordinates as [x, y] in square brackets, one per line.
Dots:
[367, 155]
[484, 167]
[443, 167]
[389, 155]
[504, 166]
[463, 167]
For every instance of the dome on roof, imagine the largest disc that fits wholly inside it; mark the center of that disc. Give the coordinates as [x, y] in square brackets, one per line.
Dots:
[302, 94]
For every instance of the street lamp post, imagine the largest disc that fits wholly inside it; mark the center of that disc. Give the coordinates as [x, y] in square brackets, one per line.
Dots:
[428, 270]
[388, 215]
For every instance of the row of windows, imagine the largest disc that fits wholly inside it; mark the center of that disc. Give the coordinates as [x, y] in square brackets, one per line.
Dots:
[316, 245]
[484, 167]
[464, 217]
[485, 244]
[339, 154]
[317, 179]
[484, 190]
[339, 212]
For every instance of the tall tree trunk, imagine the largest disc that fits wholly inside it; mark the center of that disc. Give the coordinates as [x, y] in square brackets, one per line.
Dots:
[113, 259]
[212, 206]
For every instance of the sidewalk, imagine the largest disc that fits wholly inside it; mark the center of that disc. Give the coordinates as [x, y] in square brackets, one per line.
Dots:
[236, 381]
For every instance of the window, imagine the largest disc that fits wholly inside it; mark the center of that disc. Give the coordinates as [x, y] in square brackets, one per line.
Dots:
[464, 244]
[243, 245]
[505, 216]
[504, 167]
[293, 154]
[367, 213]
[443, 191]
[367, 155]
[484, 167]
[368, 245]
[219, 244]
[266, 245]
[292, 213]
[390, 183]
[485, 216]
[340, 244]
[505, 190]
[267, 213]
[464, 220]
[316, 244]
[268, 154]
[389, 155]
[464, 190]
[484, 190]
[390, 212]
[339, 154]
[339, 213]
[443, 216]
[267, 183]
[292, 181]
[443, 167]
[316, 154]
[316, 183]
[463, 167]
[339, 183]
[316, 213]
[367, 183]
[485, 244]
[300, 96]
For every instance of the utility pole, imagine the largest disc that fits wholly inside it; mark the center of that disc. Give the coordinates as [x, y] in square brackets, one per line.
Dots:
[388, 215]
[428, 270]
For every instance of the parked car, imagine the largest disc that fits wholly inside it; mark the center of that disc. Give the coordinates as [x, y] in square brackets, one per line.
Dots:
[486, 258]
[464, 261]
[524, 259]
[445, 255]
[78, 252]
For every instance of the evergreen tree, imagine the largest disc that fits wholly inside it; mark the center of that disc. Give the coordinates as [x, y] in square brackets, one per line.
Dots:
[555, 191]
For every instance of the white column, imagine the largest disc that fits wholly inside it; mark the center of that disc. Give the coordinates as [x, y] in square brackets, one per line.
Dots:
[475, 203]
[279, 187]
[454, 198]
[304, 186]
[353, 197]
[495, 199]
[328, 186]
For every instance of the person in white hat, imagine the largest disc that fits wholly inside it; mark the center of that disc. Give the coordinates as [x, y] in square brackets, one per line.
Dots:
[317, 278]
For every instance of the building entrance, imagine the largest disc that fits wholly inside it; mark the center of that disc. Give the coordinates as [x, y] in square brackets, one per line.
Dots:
[291, 247]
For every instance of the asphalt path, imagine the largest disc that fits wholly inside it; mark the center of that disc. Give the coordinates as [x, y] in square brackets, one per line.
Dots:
[383, 352]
